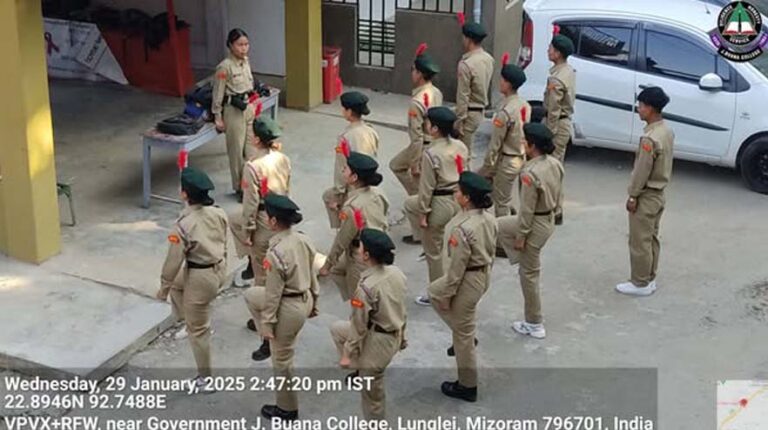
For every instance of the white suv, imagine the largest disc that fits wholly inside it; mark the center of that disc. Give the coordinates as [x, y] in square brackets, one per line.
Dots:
[718, 108]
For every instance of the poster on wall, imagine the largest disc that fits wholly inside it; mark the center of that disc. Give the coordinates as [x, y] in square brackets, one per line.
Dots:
[76, 50]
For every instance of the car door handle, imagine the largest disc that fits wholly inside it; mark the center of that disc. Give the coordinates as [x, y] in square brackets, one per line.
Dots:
[644, 86]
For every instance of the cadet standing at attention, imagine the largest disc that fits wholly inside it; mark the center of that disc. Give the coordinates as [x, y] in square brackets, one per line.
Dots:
[650, 176]
[269, 171]
[290, 297]
[233, 113]
[470, 244]
[375, 331]
[358, 137]
[196, 265]
[405, 165]
[473, 82]
[433, 207]
[559, 99]
[524, 235]
[366, 206]
[506, 154]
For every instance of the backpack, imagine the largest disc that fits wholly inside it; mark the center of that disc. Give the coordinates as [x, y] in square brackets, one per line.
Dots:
[180, 125]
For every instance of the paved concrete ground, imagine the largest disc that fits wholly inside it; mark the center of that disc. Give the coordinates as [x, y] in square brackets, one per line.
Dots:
[704, 324]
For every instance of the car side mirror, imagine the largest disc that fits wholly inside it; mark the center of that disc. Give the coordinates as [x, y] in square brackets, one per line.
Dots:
[711, 82]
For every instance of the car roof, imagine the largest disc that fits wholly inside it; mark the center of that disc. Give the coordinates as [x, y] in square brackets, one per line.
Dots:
[695, 13]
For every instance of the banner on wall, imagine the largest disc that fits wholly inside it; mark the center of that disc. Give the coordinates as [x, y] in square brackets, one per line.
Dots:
[76, 50]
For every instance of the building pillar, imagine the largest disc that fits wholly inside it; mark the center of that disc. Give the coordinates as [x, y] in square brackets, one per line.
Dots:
[303, 53]
[29, 212]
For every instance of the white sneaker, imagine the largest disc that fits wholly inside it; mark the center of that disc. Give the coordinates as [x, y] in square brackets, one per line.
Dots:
[181, 334]
[421, 257]
[201, 386]
[535, 331]
[396, 218]
[423, 301]
[240, 282]
[631, 289]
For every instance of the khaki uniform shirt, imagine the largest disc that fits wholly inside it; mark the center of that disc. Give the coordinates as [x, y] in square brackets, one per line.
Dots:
[653, 160]
[200, 236]
[424, 97]
[362, 138]
[271, 166]
[379, 301]
[473, 81]
[541, 181]
[438, 169]
[233, 76]
[470, 242]
[560, 95]
[289, 270]
[507, 136]
[372, 207]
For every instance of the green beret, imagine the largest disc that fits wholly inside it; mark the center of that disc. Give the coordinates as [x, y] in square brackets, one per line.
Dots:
[359, 162]
[563, 44]
[441, 115]
[355, 101]
[376, 241]
[474, 31]
[280, 203]
[425, 64]
[654, 97]
[266, 129]
[195, 180]
[537, 131]
[514, 75]
[473, 183]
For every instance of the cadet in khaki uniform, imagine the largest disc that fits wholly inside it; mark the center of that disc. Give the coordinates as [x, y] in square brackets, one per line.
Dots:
[650, 176]
[269, 171]
[473, 83]
[365, 207]
[282, 306]
[196, 264]
[506, 154]
[434, 206]
[524, 235]
[358, 137]
[405, 165]
[470, 244]
[559, 99]
[233, 114]
[375, 331]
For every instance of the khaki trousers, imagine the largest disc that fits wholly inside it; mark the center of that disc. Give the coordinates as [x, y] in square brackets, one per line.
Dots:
[331, 196]
[402, 164]
[468, 128]
[346, 275]
[507, 172]
[443, 209]
[291, 315]
[529, 258]
[377, 352]
[644, 245]
[192, 303]
[461, 318]
[238, 132]
[260, 243]
[561, 139]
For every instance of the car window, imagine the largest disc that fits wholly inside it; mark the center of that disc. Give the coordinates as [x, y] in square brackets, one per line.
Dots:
[678, 58]
[600, 42]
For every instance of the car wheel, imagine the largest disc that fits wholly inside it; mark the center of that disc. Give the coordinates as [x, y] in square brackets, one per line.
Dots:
[754, 165]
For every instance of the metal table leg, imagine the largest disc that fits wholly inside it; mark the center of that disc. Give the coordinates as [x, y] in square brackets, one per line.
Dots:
[146, 174]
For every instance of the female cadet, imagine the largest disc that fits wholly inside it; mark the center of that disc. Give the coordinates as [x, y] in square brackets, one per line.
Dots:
[366, 206]
[199, 239]
[471, 245]
[282, 306]
[523, 235]
[231, 108]
[432, 208]
[269, 171]
[359, 137]
[375, 331]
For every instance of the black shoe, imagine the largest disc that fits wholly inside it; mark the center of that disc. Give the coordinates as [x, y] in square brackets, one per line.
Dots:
[410, 240]
[500, 252]
[247, 274]
[451, 352]
[458, 391]
[271, 411]
[262, 353]
[251, 324]
[351, 375]
[559, 219]
[239, 196]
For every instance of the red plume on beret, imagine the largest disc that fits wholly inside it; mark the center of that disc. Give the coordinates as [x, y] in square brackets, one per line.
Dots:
[257, 111]
[426, 100]
[420, 50]
[523, 113]
[264, 187]
[181, 161]
[462, 19]
[359, 219]
[555, 29]
[459, 164]
[344, 146]
[505, 59]
[253, 98]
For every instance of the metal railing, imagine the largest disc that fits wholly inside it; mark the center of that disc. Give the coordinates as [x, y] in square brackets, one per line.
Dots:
[438, 6]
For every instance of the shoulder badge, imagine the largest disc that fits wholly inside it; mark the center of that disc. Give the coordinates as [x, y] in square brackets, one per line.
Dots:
[357, 303]
[498, 122]
[526, 178]
[412, 113]
[222, 76]
[174, 238]
[266, 265]
[343, 215]
[453, 241]
[647, 147]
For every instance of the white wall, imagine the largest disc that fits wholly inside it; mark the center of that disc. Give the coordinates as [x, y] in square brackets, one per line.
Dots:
[264, 21]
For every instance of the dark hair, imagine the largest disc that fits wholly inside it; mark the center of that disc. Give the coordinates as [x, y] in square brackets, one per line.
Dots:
[198, 197]
[654, 97]
[427, 75]
[235, 34]
[546, 146]
[446, 129]
[381, 256]
[370, 179]
[285, 218]
[479, 200]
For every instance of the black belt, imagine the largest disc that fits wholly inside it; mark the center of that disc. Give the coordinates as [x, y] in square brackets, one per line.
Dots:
[426, 142]
[378, 329]
[261, 207]
[442, 192]
[564, 116]
[240, 96]
[193, 265]
[543, 213]
[294, 294]
[511, 155]
[475, 268]
[475, 109]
